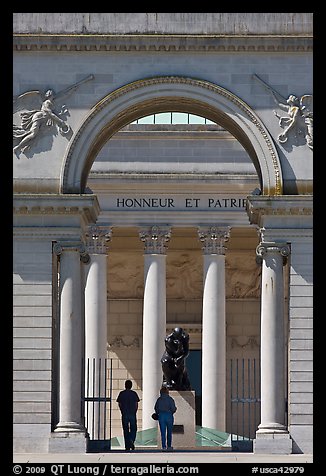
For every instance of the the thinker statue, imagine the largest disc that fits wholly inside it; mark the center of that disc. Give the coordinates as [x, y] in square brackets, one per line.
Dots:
[175, 375]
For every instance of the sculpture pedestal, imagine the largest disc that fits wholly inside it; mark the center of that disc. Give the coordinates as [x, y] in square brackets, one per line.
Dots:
[183, 435]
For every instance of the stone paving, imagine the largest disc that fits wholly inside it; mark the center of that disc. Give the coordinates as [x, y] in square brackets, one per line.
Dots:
[156, 456]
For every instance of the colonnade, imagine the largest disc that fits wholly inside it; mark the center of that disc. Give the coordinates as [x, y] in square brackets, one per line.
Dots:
[79, 262]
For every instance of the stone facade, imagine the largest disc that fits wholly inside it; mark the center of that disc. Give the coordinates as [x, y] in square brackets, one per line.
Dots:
[115, 223]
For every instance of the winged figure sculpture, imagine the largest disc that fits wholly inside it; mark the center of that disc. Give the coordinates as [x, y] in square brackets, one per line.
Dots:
[37, 110]
[299, 114]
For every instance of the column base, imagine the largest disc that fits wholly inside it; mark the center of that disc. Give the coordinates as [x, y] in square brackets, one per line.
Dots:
[272, 442]
[69, 427]
[272, 428]
[68, 442]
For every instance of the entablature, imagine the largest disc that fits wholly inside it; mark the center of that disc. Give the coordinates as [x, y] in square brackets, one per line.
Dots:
[286, 211]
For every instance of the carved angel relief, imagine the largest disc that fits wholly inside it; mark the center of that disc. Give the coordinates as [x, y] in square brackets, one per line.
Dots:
[299, 117]
[37, 110]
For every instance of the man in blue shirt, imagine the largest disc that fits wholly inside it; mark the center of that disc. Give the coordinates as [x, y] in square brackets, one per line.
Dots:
[128, 404]
[165, 408]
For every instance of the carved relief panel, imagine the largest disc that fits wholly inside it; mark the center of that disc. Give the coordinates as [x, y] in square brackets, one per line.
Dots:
[184, 275]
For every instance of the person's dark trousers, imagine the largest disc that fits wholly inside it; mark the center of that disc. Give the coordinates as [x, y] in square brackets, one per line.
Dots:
[165, 420]
[129, 425]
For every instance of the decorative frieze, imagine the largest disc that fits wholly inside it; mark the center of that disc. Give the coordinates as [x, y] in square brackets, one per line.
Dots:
[250, 342]
[214, 239]
[155, 239]
[124, 341]
[184, 275]
[204, 43]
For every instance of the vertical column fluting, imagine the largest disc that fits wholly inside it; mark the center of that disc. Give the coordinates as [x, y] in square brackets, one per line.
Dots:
[214, 328]
[96, 328]
[272, 257]
[154, 316]
[71, 336]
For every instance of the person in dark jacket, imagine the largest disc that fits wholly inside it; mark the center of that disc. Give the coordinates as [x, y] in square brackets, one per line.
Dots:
[128, 403]
[165, 408]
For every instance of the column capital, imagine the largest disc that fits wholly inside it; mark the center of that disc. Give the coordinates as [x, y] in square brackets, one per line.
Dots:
[155, 239]
[68, 246]
[272, 247]
[97, 239]
[214, 239]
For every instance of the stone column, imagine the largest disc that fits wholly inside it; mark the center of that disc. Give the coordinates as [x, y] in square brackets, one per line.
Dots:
[214, 328]
[154, 316]
[272, 434]
[71, 336]
[96, 328]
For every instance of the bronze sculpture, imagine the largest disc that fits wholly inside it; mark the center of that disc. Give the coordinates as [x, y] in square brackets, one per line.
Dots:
[175, 376]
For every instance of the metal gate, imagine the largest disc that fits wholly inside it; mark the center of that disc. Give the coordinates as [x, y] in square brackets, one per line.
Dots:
[97, 404]
[243, 401]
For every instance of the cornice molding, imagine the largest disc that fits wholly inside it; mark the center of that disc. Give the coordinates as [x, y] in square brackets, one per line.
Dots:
[175, 43]
[48, 233]
[173, 135]
[47, 204]
[257, 207]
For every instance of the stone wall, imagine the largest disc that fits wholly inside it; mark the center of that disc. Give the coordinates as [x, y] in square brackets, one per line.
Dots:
[164, 23]
[125, 350]
[174, 149]
[230, 70]
[32, 344]
[301, 344]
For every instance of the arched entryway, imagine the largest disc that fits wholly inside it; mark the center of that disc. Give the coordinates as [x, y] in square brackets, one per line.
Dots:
[161, 94]
[192, 96]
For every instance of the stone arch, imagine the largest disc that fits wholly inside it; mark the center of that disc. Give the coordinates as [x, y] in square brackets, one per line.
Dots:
[160, 94]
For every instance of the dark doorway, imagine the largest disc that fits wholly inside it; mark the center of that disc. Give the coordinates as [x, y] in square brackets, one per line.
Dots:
[193, 364]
